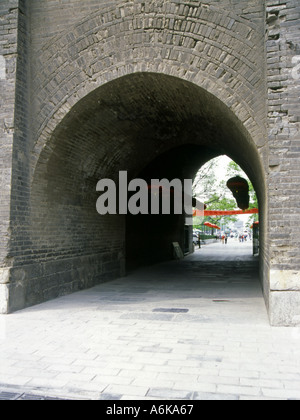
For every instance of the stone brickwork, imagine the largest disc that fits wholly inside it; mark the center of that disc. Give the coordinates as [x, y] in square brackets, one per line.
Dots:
[211, 46]
[8, 62]
[95, 87]
[283, 53]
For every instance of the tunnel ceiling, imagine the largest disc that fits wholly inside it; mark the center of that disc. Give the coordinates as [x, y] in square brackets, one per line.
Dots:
[127, 123]
[144, 123]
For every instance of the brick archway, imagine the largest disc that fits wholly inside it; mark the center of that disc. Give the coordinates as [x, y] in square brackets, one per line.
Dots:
[58, 53]
[209, 46]
[123, 125]
[196, 65]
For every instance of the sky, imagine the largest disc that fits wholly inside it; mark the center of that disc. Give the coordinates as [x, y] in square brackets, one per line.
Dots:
[221, 168]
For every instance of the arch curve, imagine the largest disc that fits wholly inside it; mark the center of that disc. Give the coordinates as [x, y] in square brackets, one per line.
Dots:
[124, 125]
[125, 115]
[208, 46]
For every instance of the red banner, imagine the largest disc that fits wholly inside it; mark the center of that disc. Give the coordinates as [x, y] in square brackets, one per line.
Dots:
[223, 212]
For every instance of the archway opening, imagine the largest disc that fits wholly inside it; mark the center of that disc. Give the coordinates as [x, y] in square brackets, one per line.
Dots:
[150, 238]
[145, 124]
[231, 205]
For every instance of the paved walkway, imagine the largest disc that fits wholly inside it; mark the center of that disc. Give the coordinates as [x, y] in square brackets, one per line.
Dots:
[194, 329]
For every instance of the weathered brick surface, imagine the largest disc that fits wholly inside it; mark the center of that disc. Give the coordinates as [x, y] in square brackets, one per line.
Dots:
[284, 117]
[94, 87]
[283, 50]
[8, 63]
[8, 49]
[211, 46]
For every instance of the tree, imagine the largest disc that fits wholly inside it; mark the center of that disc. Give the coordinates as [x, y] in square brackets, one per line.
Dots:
[205, 182]
[223, 203]
[216, 194]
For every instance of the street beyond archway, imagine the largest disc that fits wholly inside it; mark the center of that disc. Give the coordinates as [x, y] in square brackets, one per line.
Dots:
[191, 329]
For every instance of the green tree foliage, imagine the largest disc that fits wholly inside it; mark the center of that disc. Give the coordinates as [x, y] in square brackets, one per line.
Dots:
[217, 196]
[223, 203]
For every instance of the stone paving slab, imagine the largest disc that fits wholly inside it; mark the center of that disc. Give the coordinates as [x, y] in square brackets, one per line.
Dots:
[23, 396]
[120, 340]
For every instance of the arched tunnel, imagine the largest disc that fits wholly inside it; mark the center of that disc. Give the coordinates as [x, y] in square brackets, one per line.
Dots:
[150, 125]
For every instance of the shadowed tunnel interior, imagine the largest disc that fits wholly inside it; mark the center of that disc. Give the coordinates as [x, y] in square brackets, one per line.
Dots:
[150, 125]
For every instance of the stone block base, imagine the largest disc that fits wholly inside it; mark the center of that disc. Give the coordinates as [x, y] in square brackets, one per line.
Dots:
[4, 294]
[284, 299]
[36, 283]
[284, 308]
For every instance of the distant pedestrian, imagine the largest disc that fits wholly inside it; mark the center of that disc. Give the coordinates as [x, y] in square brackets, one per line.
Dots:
[226, 239]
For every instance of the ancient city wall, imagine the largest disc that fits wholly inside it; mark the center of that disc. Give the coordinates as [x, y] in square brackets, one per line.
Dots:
[8, 65]
[75, 95]
[283, 52]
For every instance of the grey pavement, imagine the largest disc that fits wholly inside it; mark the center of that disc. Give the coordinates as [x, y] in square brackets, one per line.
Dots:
[195, 329]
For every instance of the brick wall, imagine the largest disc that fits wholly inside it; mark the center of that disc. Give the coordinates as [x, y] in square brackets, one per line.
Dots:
[8, 64]
[82, 115]
[8, 49]
[283, 51]
[64, 123]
